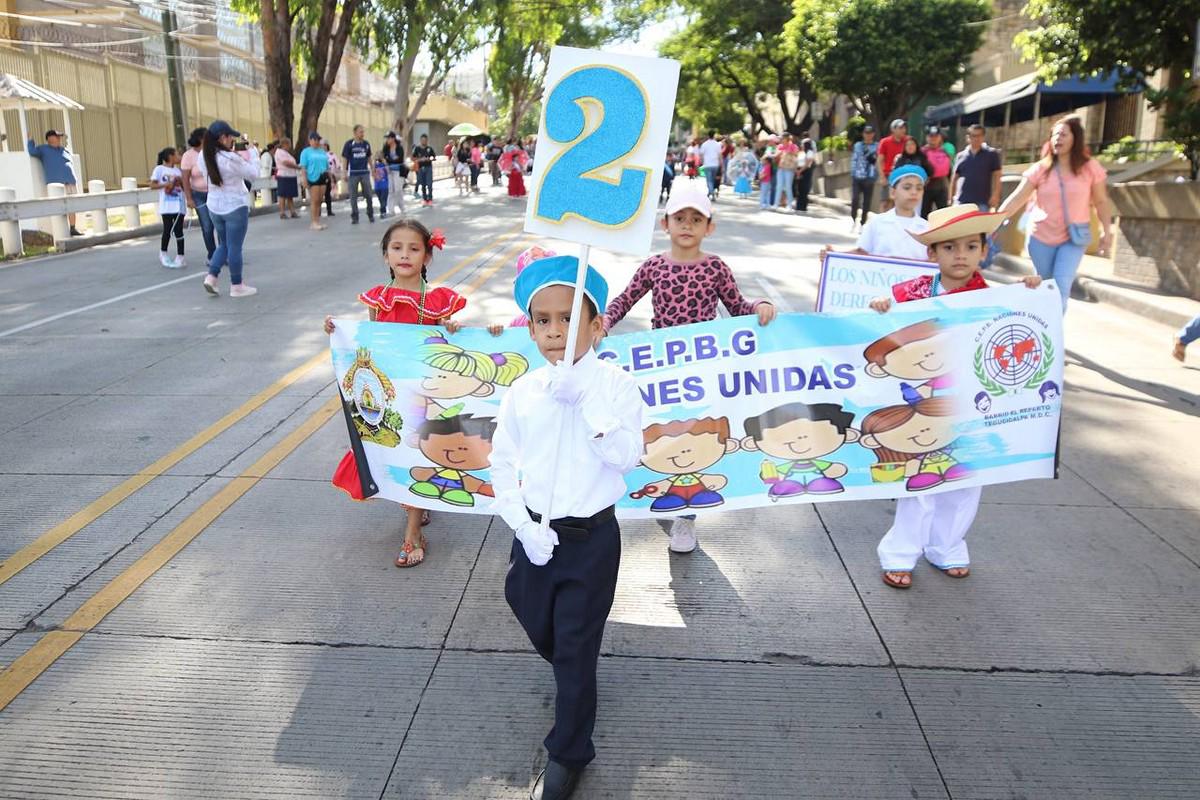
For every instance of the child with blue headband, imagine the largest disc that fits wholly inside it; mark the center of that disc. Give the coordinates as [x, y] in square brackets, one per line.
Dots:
[570, 431]
[888, 234]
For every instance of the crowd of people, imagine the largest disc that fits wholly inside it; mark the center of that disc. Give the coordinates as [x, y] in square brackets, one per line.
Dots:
[783, 166]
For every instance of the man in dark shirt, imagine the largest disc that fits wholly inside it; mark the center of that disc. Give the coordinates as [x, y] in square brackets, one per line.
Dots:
[977, 171]
[423, 157]
[356, 153]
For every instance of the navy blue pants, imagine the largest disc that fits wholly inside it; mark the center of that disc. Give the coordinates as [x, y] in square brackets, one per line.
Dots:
[563, 607]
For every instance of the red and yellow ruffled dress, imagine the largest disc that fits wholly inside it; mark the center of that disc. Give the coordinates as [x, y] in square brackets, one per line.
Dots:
[398, 305]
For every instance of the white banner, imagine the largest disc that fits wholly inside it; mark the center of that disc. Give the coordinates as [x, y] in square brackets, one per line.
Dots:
[850, 281]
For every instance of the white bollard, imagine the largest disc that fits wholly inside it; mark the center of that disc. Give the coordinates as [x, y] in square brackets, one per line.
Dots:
[133, 217]
[99, 215]
[60, 228]
[10, 230]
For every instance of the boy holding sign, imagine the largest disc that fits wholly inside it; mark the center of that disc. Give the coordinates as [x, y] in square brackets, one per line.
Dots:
[562, 578]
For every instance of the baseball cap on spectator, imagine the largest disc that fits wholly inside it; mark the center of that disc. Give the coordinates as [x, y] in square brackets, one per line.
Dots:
[220, 128]
[688, 198]
[313, 136]
[53, 132]
[899, 123]
[934, 130]
[906, 170]
[868, 129]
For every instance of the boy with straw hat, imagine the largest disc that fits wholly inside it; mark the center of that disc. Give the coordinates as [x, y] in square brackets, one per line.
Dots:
[562, 578]
[934, 526]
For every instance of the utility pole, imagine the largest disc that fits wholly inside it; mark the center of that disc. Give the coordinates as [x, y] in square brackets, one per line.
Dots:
[174, 84]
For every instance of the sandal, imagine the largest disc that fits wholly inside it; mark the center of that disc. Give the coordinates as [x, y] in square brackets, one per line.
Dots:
[406, 557]
[962, 572]
[895, 582]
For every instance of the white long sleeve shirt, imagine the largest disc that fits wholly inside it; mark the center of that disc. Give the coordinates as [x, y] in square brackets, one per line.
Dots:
[598, 440]
[231, 194]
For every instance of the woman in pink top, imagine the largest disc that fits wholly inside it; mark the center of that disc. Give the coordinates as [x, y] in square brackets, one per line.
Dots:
[1064, 186]
[195, 190]
[285, 179]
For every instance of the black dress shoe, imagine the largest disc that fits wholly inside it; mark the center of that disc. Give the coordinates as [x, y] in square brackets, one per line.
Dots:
[557, 782]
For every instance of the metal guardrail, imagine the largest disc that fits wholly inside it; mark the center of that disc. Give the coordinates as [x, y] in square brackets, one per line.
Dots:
[17, 210]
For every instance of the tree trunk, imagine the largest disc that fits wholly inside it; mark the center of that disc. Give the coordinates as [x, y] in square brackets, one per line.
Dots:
[276, 21]
[328, 45]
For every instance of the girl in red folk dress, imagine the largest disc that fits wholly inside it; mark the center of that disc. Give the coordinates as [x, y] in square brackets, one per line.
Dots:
[513, 163]
[407, 298]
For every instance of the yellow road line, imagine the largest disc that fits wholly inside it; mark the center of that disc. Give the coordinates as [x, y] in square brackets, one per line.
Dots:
[26, 669]
[106, 502]
[122, 491]
[47, 650]
[502, 261]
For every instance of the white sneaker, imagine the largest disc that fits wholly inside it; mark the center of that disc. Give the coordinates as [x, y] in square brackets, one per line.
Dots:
[165, 260]
[180, 262]
[241, 290]
[683, 535]
[210, 284]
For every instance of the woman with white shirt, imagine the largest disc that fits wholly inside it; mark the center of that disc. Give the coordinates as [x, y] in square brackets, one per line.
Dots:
[225, 170]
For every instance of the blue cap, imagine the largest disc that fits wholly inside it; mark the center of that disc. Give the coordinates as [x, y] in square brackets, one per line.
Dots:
[907, 169]
[559, 271]
[220, 127]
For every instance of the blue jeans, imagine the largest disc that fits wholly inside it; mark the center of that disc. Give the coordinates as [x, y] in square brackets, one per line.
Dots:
[206, 223]
[765, 192]
[1190, 332]
[783, 185]
[711, 175]
[425, 181]
[231, 232]
[1057, 261]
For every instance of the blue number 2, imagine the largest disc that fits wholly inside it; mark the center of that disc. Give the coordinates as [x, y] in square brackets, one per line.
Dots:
[570, 185]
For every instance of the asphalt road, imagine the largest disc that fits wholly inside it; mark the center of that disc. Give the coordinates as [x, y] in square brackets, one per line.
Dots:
[191, 610]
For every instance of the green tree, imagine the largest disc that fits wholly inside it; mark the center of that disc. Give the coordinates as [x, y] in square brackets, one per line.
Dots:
[310, 34]
[396, 32]
[740, 49]
[886, 55]
[1140, 37]
[527, 30]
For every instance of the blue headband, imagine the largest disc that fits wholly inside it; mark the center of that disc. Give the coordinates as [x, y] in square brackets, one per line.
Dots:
[907, 169]
[558, 271]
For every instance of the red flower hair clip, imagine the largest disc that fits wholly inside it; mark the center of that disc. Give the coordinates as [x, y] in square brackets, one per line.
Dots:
[437, 239]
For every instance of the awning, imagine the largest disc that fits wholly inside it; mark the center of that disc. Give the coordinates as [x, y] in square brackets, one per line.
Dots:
[19, 93]
[1055, 98]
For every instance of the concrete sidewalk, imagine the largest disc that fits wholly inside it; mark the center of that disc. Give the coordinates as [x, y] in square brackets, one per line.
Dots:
[1095, 282]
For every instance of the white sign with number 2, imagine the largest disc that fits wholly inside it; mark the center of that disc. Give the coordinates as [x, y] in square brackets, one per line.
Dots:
[600, 149]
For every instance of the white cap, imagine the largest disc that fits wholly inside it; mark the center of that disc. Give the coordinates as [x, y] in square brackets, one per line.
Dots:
[687, 197]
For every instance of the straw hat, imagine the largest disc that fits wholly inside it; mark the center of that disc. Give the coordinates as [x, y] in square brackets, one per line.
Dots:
[958, 221]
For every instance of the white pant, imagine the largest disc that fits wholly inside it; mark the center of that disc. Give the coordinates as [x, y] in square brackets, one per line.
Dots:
[931, 524]
[395, 191]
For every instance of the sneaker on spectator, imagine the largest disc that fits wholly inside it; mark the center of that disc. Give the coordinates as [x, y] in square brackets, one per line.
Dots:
[180, 261]
[683, 535]
[210, 284]
[241, 290]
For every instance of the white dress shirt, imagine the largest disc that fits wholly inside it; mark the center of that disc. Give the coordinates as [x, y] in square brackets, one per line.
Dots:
[231, 194]
[598, 440]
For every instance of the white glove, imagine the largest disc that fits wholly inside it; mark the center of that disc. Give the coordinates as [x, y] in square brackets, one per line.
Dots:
[538, 544]
[565, 385]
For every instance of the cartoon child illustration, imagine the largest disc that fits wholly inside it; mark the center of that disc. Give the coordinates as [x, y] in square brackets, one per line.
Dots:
[800, 435]
[1049, 392]
[683, 450]
[983, 402]
[456, 445]
[914, 441]
[917, 352]
[454, 373]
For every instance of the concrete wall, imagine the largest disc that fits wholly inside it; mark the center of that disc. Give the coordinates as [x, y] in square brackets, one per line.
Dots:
[1158, 236]
[127, 116]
